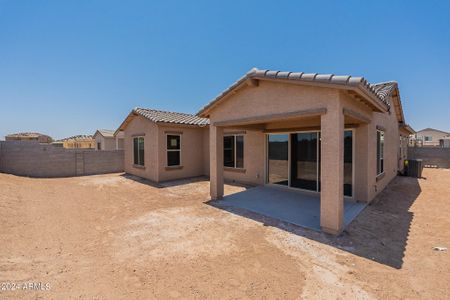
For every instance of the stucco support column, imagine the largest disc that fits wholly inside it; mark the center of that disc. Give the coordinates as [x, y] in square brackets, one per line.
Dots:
[332, 171]
[361, 140]
[216, 162]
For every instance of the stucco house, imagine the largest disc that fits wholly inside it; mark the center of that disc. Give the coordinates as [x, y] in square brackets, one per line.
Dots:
[119, 137]
[104, 139]
[335, 136]
[430, 137]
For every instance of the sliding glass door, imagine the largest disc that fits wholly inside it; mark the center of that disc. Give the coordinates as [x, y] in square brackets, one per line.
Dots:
[277, 162]
[348, 163]
[294, 160]
[305, 160]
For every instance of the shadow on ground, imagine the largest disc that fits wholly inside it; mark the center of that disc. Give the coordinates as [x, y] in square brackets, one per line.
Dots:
[379, 233]
[178, 182]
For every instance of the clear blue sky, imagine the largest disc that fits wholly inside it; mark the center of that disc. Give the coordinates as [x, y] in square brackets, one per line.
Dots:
[70, 67]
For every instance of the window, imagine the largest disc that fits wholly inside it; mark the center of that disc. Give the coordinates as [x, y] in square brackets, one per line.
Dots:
[138, 150]
[428, 138]
[173, 150]
[380, 152]
[99, 146]
[233, 151]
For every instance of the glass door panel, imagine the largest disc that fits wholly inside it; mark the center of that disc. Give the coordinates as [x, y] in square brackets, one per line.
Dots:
[348, 163]
[304, 160]
[277, 161]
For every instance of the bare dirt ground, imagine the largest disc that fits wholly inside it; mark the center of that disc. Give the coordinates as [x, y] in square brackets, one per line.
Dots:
[114, 237]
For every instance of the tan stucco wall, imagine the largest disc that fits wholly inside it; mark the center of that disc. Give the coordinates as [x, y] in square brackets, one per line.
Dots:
[254, 159]
[206, 151]
[141, 126]
[391, 146]
[366, 184]
[106, 143]
[192, 150]
[119, 142]
[272, 98]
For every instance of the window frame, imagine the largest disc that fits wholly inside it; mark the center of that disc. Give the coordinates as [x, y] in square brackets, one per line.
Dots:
[235, 135]
[380, 152]
[138, 164]
[173, 150]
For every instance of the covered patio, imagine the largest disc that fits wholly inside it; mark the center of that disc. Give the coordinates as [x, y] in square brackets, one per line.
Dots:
[287, 177]
[288, 205]
[302, 131]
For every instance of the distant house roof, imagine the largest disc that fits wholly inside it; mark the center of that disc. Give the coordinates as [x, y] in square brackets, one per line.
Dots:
[80, 137]
[107, 133]
[378, 93]
[26, 135]
[432, 129]
[165, 117]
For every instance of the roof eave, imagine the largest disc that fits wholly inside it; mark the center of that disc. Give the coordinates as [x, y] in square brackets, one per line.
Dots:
[407, 128]
[373, 101]
[125, 122]
[161, 123]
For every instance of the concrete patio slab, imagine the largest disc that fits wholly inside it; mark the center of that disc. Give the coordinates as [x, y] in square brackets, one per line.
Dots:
[292, 206]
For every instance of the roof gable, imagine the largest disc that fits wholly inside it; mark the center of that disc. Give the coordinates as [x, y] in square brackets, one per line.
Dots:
[107, 133]
[376, 95]
[432, 129]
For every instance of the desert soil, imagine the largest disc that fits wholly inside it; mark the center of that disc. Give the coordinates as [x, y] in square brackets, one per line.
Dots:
[116, 237]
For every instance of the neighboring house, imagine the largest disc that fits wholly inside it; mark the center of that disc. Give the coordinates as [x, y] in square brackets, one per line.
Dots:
[29, 136]
[104, 139]
[119, 137]
[76, 142]
[333, 135]
[430, 137]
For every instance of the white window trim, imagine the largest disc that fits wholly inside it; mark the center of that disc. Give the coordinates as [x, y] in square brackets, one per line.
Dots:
[143, 162]
[382, 132]
[235, 152]
[173, 150]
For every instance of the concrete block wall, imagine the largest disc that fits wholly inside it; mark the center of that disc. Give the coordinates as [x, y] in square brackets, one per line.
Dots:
[439, 157]
[39, 160]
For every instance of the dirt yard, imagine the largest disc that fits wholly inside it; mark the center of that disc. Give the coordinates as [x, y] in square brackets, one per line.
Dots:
[115, 237]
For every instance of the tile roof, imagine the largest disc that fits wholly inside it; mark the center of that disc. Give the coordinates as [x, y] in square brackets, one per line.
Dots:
[384, 89]
[159, 116]
[376, 90]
